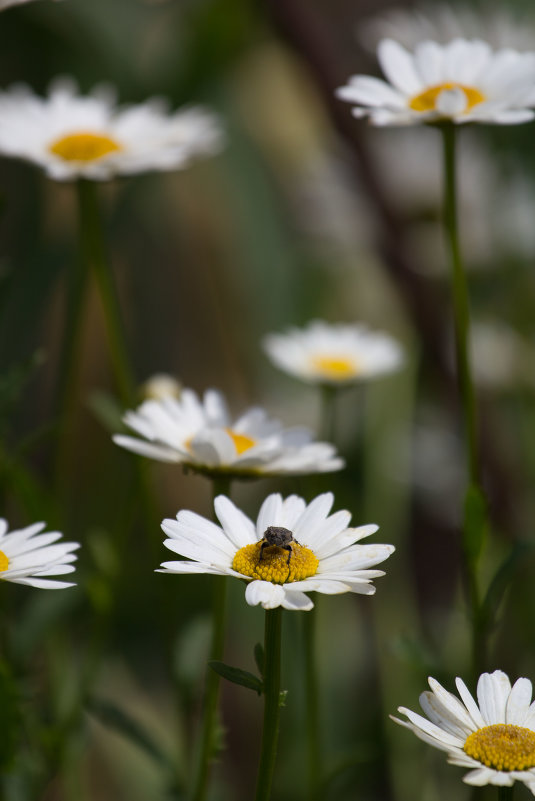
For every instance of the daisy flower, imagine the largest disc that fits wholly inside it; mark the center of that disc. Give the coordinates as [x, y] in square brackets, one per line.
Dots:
[462, 81]
[333, 354]
[202, 435]
[494, 738]
[72, 136]
[26, 556]
[292, 548]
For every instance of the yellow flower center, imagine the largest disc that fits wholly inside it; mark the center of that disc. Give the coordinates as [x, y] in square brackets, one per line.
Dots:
[273, 565]
[84, 146]
[502, 747]
[241, 442]
[337, 367]
[4, 562]
[427, 100]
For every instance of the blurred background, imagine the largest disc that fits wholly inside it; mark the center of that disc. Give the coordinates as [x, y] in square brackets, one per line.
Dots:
[306, 213]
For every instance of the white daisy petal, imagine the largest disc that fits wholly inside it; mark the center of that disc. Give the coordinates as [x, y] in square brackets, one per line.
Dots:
[478, 777]
[265, 593]
[518, 703]
[398, 66]
[492, 693]
[237, 526]
[469, 703]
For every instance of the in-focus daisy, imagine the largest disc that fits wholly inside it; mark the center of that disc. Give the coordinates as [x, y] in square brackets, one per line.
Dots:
[317, 551]
[202, 435]
[494, 737]
[462, 81]
[333, 354]
[72, 136]
[27, 556]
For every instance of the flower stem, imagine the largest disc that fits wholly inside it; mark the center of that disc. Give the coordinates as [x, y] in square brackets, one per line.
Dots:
[506, 793]
[312, 706]
[94, 255]
[475, 506]
[208, 736]
[270, 731]
[328, 412]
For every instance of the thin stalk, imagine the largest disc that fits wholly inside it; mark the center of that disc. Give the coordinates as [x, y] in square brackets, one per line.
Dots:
[270, 731]
[208, 735]
[315, 771]
[95, 256]
[327, 426]
[461, 308]
[506, 793]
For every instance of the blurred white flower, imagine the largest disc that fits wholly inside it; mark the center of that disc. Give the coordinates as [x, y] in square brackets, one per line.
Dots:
[161, 385]
[463, 81]
[495, 738]
[323, 353]
[72, 136]
[202, 436]
[8, 3]
[318, 552]
[442, 23]
[26, 556]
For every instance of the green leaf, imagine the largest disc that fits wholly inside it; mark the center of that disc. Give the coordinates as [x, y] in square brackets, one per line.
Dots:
[237, 676]
[259, 657]
[475, 522]
[501, 580]
[116, 718]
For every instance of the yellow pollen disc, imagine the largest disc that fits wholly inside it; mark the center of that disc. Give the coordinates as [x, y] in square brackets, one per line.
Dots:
[4, 562]
[241, 442]
[336, 366]
[502, 747]
[84, 147]
[273, 566]
[426, 101]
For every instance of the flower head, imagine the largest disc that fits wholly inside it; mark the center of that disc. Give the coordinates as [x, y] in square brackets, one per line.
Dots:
[495, 737]
[202, 435]
[333, 354]
[26, 556]
[72, 136]
[292, 548]
[462, 81]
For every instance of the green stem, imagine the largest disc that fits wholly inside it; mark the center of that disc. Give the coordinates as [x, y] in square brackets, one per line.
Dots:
[208, 736]
[312, 706]
[473, 532]
[95, 257]
[328, 412]
[270, 731]
[460, 305]
[505, 793]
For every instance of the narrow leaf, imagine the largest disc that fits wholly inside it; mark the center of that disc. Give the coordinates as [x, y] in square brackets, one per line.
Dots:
[237, 676]
[475, 522]
[116, 718]
[501, 580]
[259, 657]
